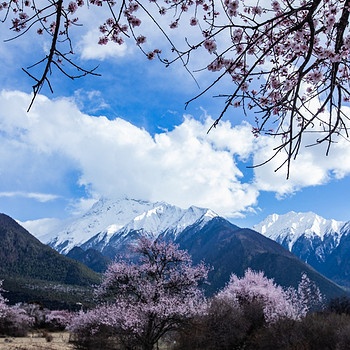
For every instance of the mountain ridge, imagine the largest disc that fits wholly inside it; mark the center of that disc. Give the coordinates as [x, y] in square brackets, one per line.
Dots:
[115, 225]
[111, 220]
[207, 236]
[294, 225]
[31, 270]
[324, 244]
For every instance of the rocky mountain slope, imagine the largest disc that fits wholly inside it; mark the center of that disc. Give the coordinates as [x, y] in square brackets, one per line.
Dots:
[322, 243]
[230, 249]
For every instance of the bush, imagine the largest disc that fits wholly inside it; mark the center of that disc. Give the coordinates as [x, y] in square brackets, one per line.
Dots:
[58, 320]
[37, 313]
[93, 330]
[319, 331]
[224, 326]
[15, 322]
[339, 305]
[45, 334]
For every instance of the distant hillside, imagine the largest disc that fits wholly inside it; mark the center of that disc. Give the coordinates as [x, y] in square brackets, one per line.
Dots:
[24, 261]
[91, 258]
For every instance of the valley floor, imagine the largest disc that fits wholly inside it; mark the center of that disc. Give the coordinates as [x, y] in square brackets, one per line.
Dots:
[36, 341]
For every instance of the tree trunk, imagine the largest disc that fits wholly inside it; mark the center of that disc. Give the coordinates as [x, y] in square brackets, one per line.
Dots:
[147, 346]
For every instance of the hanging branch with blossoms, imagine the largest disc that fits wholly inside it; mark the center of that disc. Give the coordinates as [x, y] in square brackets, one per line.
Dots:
[53, 20]
[288, 60]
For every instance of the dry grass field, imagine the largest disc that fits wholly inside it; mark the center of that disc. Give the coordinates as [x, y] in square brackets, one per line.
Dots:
[37, 341]
[57, 341]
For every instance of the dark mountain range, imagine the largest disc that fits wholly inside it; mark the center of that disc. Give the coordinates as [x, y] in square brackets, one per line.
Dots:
[111, 227]
[230, 249]
[33, 271]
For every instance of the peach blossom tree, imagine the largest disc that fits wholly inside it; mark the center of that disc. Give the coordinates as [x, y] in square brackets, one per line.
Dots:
[276, 302]
[144, 300]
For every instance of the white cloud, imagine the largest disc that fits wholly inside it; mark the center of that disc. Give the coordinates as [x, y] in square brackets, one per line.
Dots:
[41, 197]
[89, 48]
[311, 167]
[41, 227]
[184, 166]
[80, 206]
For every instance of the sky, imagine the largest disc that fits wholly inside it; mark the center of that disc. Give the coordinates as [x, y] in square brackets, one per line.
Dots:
[127, 133]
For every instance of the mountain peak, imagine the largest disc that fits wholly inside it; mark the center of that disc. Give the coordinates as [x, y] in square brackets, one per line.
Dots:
[110, 218]
[293, 228]
[293, 225]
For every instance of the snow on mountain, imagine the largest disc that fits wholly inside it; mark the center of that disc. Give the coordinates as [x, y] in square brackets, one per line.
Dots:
[323, 244]
[292, 226]
[168, 218]
[296, 230]
[111, 218]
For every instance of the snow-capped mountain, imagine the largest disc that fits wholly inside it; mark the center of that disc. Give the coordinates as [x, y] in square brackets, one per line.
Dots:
[113, 222]
[320, 242]
[212, 239]
[292, 229]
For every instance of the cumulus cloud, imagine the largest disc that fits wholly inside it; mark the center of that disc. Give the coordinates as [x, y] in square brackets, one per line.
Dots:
[311, 167]
[41, 227]
[184, 166]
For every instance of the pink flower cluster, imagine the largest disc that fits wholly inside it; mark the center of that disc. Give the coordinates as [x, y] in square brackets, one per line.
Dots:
[277, 303]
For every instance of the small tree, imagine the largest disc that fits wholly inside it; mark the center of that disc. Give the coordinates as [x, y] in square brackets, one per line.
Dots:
[95, 328]
[276, 302]
[152, 296]
[308, 296]
[3, 301]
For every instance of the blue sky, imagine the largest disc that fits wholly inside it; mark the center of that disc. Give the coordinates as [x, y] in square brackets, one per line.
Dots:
[127, 133]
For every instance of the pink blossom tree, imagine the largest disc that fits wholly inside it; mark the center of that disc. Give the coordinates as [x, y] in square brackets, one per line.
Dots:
[287, 60]
[276, 302]
[13, 319]
[308, 295]
[58, 319]
[147, 298]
